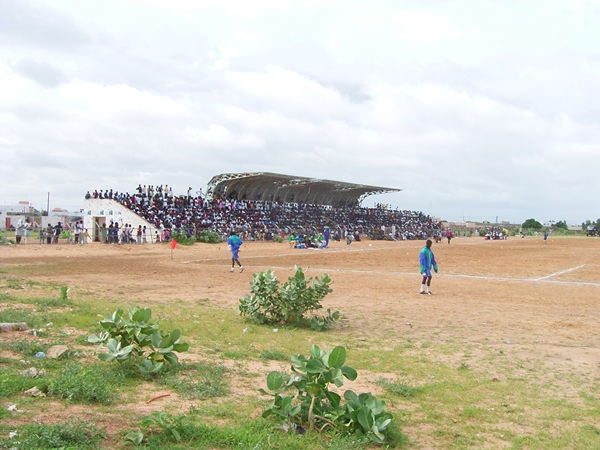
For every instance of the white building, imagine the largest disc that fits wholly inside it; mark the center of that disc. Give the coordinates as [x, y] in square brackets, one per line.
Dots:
[99, 213]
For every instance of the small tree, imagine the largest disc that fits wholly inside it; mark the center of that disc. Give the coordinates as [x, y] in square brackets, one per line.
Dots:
[562, 224]
[288, 305]
[532, 223]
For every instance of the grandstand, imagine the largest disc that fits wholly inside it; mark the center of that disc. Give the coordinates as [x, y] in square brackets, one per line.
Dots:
[258, 204]
[277, 188]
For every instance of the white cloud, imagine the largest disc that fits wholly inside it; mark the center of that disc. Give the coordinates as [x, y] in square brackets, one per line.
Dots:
[477, 109]
[428, 28]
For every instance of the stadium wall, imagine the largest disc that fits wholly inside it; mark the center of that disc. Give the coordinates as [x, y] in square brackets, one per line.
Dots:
[106, 211]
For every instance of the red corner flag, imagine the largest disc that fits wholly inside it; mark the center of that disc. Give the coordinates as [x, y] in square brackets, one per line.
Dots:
[173, 243]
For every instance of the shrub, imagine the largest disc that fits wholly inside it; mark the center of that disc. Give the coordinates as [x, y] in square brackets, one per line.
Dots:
[139, 340]
[182, 238]
[288, 305]
[314, 405]
[209, 237]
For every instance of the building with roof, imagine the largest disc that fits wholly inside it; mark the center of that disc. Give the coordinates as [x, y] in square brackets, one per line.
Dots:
[273, 187]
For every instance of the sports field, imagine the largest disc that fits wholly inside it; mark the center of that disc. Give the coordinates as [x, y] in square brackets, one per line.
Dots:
[535, 304]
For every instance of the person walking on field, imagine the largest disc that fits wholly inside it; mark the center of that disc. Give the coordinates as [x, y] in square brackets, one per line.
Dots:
[449, 235]
[426, 262]
[234, 243]
[326, 235]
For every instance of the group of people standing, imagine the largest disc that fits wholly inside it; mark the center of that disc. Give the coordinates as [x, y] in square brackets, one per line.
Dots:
[124, 234]
[22, 231]
[49, 234]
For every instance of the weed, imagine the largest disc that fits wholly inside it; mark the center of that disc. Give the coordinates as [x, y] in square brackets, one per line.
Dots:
[399, 388]
[83, 384]
[168, 426]
[50, 302]
[24, 346]
[249, 434]
[268, 355]
[68, 435]
[594, 430]
[201, 380]
[64, 293]
[11, 382]
[11, 315]
[234, 354]
[14, 283]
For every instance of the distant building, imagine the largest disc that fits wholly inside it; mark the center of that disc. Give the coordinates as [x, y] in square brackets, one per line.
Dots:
[10, 214]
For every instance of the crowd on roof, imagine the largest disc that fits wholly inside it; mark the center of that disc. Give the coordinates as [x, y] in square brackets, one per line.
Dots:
[194, 212]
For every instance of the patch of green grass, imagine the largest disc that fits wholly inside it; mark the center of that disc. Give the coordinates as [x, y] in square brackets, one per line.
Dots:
[14, 283]
[200, 380]
[84, 315]
[463, 366]
[49, 302]
[399, 388]
[31, 318]
[474, 412]
[273, 355]
[234, 354]
[89, 383]
[12, 382]
[26, 347]
[6, 297]
[76, 434]
[250, 434]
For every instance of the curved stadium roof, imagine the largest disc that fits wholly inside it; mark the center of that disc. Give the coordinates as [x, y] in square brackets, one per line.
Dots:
[273, 187]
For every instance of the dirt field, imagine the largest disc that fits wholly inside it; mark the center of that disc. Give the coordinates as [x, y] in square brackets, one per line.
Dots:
[540, 301]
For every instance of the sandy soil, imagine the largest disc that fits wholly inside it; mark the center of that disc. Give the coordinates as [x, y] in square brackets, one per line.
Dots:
[540, 300]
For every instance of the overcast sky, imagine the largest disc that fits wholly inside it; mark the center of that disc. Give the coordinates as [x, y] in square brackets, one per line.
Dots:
[477, 110]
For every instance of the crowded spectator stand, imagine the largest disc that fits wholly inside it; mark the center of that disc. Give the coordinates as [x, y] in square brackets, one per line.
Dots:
[262, 220]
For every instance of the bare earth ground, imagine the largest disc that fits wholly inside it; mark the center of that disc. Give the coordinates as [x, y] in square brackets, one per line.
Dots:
[538, 301]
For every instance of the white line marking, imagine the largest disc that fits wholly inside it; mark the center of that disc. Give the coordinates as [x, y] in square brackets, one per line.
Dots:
[299, 252]
[559, 273]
